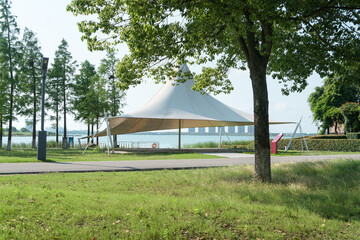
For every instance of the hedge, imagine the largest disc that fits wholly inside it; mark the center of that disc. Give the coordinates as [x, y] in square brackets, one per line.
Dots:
[338, 145]
[355, 135]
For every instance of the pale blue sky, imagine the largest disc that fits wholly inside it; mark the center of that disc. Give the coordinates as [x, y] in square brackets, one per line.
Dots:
[50, 21]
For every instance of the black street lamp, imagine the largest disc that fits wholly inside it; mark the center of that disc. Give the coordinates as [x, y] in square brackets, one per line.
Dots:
[42, 134]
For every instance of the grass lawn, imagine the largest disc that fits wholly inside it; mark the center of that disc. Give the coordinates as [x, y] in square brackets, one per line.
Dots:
[74, 155]
[305, 201]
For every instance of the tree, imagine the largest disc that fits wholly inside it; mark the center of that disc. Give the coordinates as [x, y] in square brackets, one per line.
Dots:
[30, 79]
[290, 39]
[326, 100]
[81, 99]
[24, 130]
[107, 71]
[10, 31]
[63, 71]
[97, 101]
[4, 89]
[54, 95]
[351, 111]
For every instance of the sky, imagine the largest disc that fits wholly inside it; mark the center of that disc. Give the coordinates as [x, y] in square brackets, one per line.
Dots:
[52, 23]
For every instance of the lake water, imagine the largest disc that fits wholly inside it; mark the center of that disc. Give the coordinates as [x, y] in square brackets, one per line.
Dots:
[164, 141]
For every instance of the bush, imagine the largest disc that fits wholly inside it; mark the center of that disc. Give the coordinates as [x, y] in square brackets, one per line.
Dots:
[338, 145]
[326, 137]
[353, 135]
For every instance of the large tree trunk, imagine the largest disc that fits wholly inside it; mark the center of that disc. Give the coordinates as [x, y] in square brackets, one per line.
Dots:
[261, 120]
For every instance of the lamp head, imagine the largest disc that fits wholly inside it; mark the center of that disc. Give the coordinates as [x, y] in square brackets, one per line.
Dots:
[45, 64]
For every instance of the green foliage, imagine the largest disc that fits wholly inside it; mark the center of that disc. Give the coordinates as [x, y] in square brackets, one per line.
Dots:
[338, 145]
[287, 39]
[306, 201]
[9, 57]
[24, 130]
[81, 88]
[30, 79]
[326, 100]
[107, 71]
[60, 85]
[355, 135]
[351, 111]
[301, 38]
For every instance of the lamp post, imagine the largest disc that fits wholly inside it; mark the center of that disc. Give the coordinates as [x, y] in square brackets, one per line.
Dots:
[42, 134]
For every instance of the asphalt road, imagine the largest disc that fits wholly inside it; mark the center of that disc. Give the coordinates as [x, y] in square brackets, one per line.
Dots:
[232, 159]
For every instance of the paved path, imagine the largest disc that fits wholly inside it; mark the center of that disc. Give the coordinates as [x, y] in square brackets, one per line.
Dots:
[232, 159]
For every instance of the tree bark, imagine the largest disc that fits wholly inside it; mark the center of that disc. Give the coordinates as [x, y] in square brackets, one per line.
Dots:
[261, 122]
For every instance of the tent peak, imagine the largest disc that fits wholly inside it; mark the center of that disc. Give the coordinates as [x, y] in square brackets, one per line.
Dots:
[184, 68]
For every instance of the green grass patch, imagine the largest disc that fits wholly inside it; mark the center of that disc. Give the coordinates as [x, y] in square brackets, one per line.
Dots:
[305, 201]
[74, 155]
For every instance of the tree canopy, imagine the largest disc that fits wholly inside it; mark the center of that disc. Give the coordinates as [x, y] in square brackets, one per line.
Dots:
[326, 100]
[288, 39]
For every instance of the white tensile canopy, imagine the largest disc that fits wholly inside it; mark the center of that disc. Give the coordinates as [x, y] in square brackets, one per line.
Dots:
[176, 106]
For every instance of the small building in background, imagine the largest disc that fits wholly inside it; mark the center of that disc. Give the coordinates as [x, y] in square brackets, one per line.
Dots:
[212, 130]
[191, 130]
[241, 129]
[201, 130]
[231, 129]
[251, 129]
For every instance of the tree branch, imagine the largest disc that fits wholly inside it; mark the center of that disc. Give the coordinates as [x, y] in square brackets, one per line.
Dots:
[320, 9]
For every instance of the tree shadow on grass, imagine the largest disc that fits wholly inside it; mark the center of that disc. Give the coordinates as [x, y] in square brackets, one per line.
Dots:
[328, 188]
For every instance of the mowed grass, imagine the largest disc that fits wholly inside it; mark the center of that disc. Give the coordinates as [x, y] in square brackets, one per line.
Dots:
[74, 155]
[305, 201]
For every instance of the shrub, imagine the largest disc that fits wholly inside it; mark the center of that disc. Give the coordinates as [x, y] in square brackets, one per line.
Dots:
[353, 135]
[339, 145]
[326, 137]
[350, 111]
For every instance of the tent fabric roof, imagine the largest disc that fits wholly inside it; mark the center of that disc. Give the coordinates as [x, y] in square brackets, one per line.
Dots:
[175, 104]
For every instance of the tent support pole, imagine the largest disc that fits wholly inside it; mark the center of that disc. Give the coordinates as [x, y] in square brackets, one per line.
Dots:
[292, 137]
[220, 137]
[179, 147]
